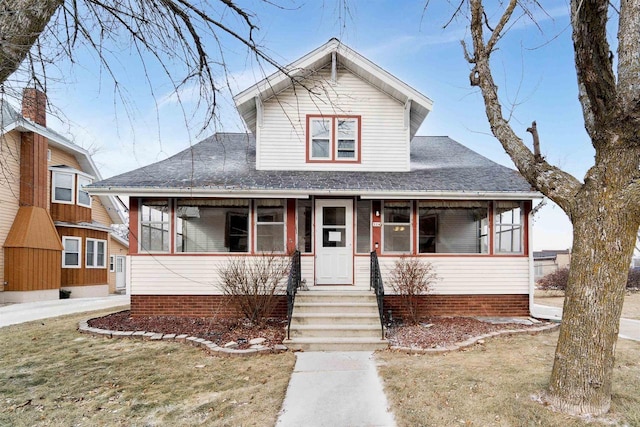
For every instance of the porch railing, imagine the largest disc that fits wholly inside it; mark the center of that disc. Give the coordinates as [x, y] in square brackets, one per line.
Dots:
[375, 283]
[293, 283]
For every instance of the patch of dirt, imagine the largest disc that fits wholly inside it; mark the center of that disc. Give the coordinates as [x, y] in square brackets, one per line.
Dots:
[444, 331]
[217, 330]
[437, 331]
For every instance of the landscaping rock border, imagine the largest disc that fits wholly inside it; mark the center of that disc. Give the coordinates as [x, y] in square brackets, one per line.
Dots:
[474, 340]
[210, 347]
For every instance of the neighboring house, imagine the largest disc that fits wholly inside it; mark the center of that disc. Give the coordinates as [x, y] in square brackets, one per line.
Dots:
[548, 261]
[54, 234]
[332, 167]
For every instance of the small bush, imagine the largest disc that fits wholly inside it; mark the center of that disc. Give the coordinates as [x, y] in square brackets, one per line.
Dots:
[254, 283]
[633, 282]
[556, 281]
[411, 278]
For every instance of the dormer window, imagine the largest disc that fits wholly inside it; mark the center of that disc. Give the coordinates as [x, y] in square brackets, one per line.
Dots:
[68, 186]
[333, 139]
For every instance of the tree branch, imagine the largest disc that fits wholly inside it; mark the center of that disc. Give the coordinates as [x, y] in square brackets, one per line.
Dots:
[533, 130]
[556, 184]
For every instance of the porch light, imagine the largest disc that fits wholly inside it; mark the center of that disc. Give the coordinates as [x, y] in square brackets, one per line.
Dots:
[378, 213]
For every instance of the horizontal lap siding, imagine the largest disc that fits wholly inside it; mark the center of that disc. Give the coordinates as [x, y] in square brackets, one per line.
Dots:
[9, 188]
[472, 275]
[182, 275]
[384, 138]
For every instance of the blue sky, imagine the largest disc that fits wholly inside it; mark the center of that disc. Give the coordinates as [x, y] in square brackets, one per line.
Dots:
[533, 68]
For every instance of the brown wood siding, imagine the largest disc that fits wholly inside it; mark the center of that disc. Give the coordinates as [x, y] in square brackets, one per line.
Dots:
[28, 269]
[70, 213]
[84, 276]
[33, 170]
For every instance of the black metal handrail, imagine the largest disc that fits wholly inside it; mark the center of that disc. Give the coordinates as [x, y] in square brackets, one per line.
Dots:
[375, 283]
[293, 283]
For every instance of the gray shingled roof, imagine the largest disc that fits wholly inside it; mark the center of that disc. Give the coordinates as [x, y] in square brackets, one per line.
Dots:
[226, 161]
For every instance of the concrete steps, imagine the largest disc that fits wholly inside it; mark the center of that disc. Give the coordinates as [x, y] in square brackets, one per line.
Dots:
[335, 321]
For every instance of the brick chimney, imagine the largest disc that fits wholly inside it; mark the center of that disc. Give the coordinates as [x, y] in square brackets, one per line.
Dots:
[34, 104]
[33, 152]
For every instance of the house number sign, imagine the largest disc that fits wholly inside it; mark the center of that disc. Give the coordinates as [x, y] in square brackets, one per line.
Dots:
[377, 224]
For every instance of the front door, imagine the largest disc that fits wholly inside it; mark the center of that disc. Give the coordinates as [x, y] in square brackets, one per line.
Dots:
[120, 272]
[334, 242]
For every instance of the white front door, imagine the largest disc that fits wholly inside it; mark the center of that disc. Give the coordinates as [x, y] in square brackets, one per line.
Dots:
[120, 272]
[334, 242]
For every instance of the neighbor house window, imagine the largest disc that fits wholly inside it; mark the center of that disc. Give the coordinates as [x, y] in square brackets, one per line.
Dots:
[96, 253]
[453, 227]
[62, 187]
[154, 226]
[508, 228]
[396, 226]
[212, 225]
[72, 247]
[270, 225]
[84, 199]
[112, 267]
[333, 138]
[305, 218]
[363, 226]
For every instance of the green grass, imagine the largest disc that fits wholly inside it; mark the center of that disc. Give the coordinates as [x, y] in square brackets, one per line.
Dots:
[50, 375]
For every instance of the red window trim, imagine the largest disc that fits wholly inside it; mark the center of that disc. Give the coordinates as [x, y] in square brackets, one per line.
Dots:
[334, 138]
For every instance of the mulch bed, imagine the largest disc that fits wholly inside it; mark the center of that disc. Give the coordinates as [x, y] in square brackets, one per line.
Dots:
[435, 332]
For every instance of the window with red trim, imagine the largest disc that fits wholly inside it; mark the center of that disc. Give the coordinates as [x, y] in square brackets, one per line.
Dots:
[333, 138]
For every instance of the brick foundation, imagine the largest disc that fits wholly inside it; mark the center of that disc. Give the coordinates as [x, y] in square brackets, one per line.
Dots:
[192, 305]
[462, 305]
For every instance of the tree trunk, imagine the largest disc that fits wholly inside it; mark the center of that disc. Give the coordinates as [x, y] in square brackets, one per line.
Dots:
[21, 23]
[604, 232]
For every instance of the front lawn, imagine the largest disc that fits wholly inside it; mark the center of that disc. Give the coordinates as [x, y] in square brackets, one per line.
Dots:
[50, 375]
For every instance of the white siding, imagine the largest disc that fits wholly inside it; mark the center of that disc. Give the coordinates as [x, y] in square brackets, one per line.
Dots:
[182, 274]
[463, 275]
[281, 133]
[9, 188]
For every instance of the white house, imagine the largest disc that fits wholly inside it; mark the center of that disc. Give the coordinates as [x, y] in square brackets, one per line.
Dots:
[331, 166]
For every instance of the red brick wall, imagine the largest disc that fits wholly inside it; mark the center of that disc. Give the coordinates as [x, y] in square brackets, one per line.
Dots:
[462, 305]
[192, 305]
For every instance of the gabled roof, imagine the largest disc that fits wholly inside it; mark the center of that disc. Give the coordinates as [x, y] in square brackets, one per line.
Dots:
[10, 120]
[319, 58]
[223, 165]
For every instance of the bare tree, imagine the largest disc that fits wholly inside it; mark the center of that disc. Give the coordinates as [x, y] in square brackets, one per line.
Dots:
[605, 208]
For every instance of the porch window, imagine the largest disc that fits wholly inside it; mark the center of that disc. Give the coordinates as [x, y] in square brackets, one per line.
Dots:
[270, 225]
[154, 226]
[84, 199]
[459, 227]
[363, 226]
[63, 187]
[305, 233]
[212, 225]
[508, 228]
[72, 247]
[96, 253]
[333, 138]
[396, 226]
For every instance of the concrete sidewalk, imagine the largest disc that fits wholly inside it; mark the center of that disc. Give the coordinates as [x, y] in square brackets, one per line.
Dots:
[26, 312]
[629, 328]
[336, 389]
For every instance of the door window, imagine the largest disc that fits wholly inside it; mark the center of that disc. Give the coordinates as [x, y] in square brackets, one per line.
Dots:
[334, 227]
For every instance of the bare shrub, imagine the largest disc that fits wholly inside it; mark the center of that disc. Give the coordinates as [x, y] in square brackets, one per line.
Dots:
[556, 281]
[411, 278]
[633, 281]
[254, 283]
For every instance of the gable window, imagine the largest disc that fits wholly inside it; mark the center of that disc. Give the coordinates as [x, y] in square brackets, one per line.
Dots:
[270, 224]
[154, 226]
[71, 251]
[84, 199]
[63, 187]
[396, 226]
[96, 253]
[333, 138]
[508, 229]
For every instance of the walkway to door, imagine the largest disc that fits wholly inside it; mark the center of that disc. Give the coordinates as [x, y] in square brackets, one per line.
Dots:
[335, 389]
